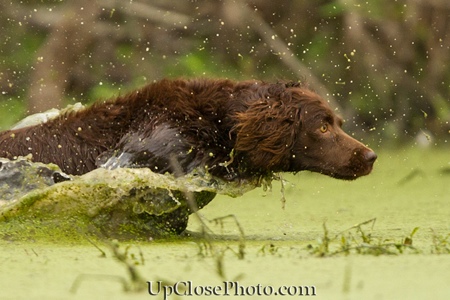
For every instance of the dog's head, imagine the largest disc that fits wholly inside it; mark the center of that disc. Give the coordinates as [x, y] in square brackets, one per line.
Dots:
[294, 129]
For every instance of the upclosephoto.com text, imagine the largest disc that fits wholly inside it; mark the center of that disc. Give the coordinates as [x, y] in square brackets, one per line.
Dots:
[227, 288]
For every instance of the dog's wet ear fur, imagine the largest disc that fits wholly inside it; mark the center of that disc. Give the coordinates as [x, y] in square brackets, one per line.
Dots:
[266, 131]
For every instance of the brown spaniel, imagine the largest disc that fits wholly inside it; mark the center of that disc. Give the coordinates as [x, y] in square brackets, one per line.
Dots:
[235, 130]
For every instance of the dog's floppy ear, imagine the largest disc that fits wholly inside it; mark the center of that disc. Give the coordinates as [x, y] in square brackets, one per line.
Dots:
[266, 131]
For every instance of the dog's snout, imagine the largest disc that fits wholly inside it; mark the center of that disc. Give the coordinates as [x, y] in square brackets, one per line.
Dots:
[370, 157]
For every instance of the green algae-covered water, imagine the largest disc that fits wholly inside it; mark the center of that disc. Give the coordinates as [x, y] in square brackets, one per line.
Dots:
[399, 247]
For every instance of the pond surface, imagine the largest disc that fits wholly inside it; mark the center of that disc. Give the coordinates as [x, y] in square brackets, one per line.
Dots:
[283, 248]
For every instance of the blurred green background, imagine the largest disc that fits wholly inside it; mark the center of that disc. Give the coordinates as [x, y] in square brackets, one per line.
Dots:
[383, 64]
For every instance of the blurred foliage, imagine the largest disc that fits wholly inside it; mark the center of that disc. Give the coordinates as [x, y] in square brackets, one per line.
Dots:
[384, 62]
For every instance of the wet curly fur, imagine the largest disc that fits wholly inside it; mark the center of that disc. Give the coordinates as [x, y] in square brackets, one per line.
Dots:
[234, 129]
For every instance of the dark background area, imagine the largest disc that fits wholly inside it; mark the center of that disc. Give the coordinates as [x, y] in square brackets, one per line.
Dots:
[382, 64]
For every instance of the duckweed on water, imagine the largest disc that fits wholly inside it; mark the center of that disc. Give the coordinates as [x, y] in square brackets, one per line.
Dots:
[121, 203]
[356, 240]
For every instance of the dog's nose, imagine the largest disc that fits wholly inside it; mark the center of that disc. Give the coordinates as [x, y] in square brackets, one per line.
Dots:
[370, 157]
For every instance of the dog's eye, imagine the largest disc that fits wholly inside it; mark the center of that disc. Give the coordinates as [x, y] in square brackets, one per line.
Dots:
[324, 128]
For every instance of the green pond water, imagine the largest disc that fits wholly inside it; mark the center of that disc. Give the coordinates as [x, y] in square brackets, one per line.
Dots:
[284, 251]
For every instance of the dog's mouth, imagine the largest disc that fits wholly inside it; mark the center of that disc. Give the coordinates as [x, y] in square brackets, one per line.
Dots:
[351, 176]
[360, 164]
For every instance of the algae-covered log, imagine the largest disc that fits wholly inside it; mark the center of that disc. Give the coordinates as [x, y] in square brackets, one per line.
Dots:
[121, 203]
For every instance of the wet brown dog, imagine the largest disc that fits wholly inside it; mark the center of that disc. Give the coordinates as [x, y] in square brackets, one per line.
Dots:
[236, 130]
